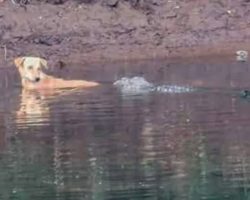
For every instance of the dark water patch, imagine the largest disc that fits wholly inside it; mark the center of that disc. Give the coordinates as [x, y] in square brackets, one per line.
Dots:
[102, 144]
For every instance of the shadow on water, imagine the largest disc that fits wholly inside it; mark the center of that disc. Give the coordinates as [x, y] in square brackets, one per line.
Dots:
[101, 144]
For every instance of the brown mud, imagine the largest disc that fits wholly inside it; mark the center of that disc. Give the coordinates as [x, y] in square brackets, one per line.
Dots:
[110, 30]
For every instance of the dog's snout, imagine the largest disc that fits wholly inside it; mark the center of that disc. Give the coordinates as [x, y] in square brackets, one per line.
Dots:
[37, 79]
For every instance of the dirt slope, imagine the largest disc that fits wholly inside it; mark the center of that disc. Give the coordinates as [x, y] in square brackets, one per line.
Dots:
[94, 30]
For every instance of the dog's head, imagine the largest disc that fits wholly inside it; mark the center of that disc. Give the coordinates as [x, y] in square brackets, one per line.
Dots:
[31, 68]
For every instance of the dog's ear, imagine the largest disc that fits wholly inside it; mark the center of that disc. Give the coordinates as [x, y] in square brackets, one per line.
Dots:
[44, 63]
[19, 61]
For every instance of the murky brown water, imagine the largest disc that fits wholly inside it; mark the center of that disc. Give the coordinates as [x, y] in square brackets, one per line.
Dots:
[100, 144]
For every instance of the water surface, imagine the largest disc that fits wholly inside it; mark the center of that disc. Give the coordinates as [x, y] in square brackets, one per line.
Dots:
[102, 144]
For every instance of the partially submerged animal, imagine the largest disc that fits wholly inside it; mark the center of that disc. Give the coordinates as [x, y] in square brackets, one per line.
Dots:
[33, 76]
[136, 85]
[245, 93]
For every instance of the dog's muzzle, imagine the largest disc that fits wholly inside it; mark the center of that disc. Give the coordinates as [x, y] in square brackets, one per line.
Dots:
[30, 80]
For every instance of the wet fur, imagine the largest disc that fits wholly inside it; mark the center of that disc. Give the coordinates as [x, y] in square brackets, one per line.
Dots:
[33, 77]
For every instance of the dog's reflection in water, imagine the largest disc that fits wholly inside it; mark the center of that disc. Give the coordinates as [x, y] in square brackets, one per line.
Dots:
[34, 107]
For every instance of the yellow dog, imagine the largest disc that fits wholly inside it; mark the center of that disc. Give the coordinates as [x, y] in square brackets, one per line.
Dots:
[33, 77]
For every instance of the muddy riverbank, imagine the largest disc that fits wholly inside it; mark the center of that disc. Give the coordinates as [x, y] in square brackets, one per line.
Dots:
[108, 30]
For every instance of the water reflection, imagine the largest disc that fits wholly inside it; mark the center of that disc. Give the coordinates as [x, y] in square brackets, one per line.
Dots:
[34, 109]
[100, 144]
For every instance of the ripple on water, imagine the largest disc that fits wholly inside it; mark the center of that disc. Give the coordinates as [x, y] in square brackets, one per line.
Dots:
[96, 144]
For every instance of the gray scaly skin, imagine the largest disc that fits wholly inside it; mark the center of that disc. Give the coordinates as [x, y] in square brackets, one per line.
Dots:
[140, 85]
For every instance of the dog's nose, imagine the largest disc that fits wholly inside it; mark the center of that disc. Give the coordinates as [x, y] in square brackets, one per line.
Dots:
[37, 79]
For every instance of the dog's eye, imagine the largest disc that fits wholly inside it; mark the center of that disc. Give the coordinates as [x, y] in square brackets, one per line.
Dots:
[30, 67]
